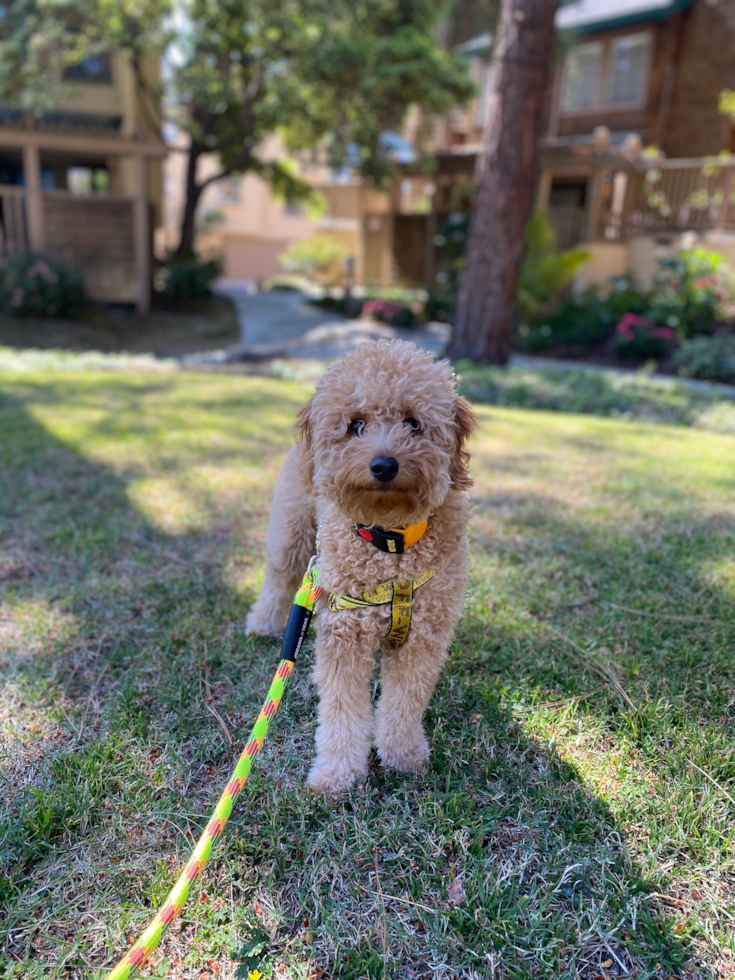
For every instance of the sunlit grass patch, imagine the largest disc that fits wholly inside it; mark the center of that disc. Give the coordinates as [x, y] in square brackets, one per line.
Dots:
[577, 817]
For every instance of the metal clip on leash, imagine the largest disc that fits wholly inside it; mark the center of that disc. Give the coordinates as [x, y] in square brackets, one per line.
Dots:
[299, 618]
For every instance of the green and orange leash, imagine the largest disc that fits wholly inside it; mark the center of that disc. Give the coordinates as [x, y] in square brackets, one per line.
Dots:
[296, 629]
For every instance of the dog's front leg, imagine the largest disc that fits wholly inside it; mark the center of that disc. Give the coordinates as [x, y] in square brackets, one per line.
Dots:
[345, 656]
[408, 677]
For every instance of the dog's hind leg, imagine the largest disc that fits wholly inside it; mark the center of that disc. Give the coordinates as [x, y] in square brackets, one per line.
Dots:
[289, 544]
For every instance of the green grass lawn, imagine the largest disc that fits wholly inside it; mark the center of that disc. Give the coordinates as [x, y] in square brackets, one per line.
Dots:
[578, 818]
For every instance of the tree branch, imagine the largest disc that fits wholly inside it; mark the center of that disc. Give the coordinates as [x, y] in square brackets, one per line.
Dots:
[240, 163]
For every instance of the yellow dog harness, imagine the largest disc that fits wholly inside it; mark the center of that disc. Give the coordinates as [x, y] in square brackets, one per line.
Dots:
[396, 592]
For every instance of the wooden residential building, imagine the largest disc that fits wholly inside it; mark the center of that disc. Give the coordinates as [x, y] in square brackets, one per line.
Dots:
[85, 180]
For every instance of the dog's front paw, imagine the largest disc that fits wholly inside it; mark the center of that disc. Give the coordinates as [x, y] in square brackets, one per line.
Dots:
[261, 622]
[334, 779]
[408, 753]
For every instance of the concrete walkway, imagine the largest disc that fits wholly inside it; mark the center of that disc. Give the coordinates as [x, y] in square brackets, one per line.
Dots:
[282, 323]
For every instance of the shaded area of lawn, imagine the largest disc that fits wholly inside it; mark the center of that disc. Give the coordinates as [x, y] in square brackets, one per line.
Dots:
[590, 837]
[203, 325]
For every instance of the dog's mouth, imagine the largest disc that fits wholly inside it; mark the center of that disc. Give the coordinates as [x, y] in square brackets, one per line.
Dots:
[384, 504]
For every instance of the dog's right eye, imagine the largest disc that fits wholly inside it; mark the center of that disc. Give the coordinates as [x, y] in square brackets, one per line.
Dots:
[356, 427]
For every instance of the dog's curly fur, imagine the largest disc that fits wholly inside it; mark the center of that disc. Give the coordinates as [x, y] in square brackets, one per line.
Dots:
[326, 479]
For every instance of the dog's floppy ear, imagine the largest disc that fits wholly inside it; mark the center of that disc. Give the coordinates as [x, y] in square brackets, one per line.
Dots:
[465, 422]
[303, 437]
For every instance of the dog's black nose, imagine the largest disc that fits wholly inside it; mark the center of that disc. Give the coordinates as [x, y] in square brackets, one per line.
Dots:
[384, 468]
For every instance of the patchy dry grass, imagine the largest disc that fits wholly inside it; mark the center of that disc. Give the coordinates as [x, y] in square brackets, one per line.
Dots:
[578, 819]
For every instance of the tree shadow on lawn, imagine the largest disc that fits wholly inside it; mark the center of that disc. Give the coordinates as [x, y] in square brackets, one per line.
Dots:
[635, 619]
[125, 663]
[205, 325]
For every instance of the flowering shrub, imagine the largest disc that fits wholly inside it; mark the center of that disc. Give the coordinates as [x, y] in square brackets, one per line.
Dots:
[396, 313]
[579, 324]
[31, 285]
[638, 337]
[691, 292]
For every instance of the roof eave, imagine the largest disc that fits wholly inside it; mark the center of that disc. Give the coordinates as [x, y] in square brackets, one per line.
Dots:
[654, 14]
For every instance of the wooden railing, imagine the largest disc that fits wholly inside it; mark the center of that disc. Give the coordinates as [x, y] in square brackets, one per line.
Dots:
[96, 231]
[669, 195]
[680, 195]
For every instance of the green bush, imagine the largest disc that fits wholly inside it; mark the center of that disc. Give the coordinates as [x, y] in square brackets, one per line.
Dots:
[579, 324]
[318, 257]
[33, 285]
[710, 358]
[545, 271]
[181, 279]
[450, 248]
[439, 305]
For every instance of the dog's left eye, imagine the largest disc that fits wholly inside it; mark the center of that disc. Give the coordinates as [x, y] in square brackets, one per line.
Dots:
[412, 424]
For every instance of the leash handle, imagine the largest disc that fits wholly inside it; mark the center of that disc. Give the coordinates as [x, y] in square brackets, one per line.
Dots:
[296, 629]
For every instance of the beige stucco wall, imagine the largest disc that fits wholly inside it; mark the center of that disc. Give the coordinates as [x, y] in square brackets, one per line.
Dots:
[608, 259]
[643, 256]
[639, 257]
[251, 258]
[119, 96]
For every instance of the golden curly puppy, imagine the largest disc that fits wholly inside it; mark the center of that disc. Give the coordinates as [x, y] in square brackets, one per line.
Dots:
[381, 469]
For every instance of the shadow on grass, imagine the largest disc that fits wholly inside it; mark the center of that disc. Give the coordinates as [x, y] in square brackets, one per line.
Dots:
[125, 664]
[204, 325]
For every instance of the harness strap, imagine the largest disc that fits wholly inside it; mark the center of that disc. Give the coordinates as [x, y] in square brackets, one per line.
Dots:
[396, 592]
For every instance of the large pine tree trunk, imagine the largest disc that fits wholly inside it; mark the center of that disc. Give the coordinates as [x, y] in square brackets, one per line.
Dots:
[506, 177]
[193, 193]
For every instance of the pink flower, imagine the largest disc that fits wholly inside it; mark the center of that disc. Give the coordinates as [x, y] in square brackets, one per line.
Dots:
[630, 320]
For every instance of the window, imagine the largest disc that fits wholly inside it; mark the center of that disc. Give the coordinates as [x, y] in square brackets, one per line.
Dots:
[606, 74]
[627, 70]
[582, 77]
[230, 189]
[94, 68]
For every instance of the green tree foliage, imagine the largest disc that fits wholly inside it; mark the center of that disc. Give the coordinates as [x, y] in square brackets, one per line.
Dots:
[327, 75]
[317, 257]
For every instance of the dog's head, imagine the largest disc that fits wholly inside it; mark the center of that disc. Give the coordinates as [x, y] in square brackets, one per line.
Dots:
[384, 435]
